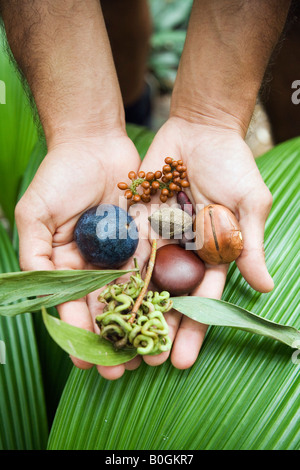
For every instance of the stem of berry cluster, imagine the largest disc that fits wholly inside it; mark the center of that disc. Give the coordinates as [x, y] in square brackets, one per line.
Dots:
[147, 279]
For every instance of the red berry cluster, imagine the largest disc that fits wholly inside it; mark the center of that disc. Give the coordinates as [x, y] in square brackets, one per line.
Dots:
[172, 178]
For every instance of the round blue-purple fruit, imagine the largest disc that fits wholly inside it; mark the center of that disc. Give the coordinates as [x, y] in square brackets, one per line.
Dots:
[106, 236]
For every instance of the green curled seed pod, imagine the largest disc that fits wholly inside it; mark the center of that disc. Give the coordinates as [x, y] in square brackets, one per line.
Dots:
[134, 332]
[145, 349]
[114, 317]
[111, 330]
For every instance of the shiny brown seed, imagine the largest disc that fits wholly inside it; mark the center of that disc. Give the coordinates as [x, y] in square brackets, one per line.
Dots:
[132, 175]
[122, 185]
[149, 176]
[145, 197]
[166, 169]
[155, 185]
[165, 192]
[136, 198]
[173, 187]
[128, 194]
[171, 194]
[163, 198]
[165, 179]
[174, 163]
[176, 173]
[180, 162]
[185, 184]
[168, 160]
[141, 174]
[176, 180]
[183, 175]
[158, 175]
[147, 191]
[145, 184]
[169, 176]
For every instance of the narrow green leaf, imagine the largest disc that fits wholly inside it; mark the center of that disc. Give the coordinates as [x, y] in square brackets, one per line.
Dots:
[56, 287]
[84, 344]
[221, 313]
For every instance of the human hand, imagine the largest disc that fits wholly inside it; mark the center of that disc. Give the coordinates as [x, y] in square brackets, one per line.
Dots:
[221, 169]
[73, 177]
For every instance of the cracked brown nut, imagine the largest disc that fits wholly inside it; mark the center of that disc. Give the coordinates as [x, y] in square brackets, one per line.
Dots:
[218, 235]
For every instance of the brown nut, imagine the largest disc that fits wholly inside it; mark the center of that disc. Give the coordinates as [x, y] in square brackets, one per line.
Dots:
[177, 270]
[218, 235]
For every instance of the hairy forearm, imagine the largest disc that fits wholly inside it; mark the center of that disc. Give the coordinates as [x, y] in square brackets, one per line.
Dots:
[63, 51]
[227, 50]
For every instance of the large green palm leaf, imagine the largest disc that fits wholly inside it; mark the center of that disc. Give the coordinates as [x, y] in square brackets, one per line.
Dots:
[23, 420]
[243, 391]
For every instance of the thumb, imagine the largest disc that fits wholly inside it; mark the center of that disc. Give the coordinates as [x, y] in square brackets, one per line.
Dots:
[251, 262]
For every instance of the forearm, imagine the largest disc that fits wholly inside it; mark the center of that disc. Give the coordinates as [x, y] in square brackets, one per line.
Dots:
[63, 51]
[227, 50]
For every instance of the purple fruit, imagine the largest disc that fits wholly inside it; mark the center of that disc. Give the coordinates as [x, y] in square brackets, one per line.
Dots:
[106, 236]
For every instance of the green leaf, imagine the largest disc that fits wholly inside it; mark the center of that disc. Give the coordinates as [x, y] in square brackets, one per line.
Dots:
[18, 132]
[221, 313]
[55, 287]
[243, 391]
[23, 419]
[84, 344]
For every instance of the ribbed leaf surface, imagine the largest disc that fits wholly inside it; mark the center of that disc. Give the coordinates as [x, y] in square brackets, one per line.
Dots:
[18, 133]
[23, 421]
[243, 391]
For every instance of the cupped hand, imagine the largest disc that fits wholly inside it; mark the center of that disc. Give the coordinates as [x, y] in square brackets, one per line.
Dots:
[73, 177]
[221, 169]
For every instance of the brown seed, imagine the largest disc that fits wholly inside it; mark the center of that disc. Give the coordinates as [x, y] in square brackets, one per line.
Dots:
[169, 176]
[177, 180]
[149, 176]
[136, 198]
[183, 175]
[165, 192]
[141, 174]
[176, 173]
[122, 185]
[147, 191]
[168, 160]
[158, 175]
[174, 163]
[128, 194]
[218, 235]
[155, 185]
[145, 184]
[166, 169]
[165, 179]
[163, 198]
[173, 187]
[185, 184]
[171, 194]
[132, 175]
[177, 270]
[145, 198]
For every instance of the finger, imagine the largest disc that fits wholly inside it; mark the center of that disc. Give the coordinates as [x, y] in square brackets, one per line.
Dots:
[251, 262]
[173, 319]
[35, 240]
[111, 372]
[191, 334]
[134, 363]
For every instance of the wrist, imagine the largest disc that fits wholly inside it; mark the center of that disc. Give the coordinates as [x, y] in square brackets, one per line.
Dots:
[213, 110]
[88, 131]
